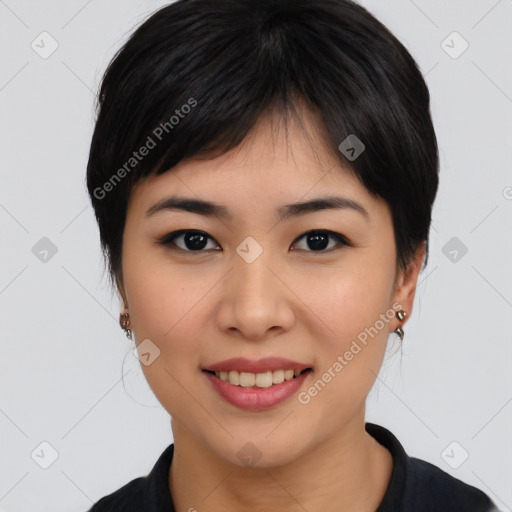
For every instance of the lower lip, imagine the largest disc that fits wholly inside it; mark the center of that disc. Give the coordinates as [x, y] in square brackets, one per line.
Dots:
[255, 399]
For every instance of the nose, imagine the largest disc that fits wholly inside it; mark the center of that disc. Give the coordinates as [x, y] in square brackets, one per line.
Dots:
[256, 302]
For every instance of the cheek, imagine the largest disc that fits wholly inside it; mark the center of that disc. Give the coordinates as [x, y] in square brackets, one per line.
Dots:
[346, 300]
[351, 338]
[169, 307]
[158, 295]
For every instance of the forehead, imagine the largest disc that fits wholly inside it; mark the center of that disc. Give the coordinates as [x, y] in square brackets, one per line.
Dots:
[278, 163]
[292, 158]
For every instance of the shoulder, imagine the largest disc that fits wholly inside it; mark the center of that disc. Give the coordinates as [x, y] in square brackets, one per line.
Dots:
[434, 489]
[142, 494]
[418, 485]
[128, 497]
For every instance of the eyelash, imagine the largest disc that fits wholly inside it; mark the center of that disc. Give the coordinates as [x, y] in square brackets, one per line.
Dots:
[168, 240]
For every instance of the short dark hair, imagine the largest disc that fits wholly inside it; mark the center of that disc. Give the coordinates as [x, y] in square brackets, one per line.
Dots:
[196, 76]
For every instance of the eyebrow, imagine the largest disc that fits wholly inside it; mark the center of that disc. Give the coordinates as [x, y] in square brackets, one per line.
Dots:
[210, 209]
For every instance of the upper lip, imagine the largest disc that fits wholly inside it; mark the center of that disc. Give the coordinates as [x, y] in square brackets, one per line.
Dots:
[265, 364]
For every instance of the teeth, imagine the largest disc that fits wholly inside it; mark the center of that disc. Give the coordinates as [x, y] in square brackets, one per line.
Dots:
[278, 376]
[260, 380]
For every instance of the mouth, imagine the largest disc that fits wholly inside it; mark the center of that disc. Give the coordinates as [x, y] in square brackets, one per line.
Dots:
[258, 391]
[258, 380]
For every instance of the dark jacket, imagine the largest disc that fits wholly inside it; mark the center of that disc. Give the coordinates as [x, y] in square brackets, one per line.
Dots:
[415, 486]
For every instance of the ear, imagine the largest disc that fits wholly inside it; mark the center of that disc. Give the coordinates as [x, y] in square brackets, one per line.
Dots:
[121, 290]
[406, 282]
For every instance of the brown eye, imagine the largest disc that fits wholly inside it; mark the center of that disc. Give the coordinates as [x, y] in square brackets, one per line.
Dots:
[318, 240]
[191, 240]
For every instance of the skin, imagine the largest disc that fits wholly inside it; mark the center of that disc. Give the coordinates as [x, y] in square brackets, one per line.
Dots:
[293, 301]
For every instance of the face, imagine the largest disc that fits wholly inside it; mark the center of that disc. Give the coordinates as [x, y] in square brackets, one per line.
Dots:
[314, 286]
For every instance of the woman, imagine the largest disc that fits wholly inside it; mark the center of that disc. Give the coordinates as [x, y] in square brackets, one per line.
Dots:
[263, 175]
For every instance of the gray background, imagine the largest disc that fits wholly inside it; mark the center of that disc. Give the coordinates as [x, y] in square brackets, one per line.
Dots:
[62, 352]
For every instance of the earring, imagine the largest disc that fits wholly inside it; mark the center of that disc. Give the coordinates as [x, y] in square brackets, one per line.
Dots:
[400, 315]
[124, 322]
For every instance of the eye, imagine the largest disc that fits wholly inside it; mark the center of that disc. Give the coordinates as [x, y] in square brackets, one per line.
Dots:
[194, 241]
[318, 240]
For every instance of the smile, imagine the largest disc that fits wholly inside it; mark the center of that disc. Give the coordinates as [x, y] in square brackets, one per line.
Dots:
[259, 380]
[249, 394]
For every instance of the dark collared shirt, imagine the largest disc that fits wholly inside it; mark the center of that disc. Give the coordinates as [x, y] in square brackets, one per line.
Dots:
[415, 486]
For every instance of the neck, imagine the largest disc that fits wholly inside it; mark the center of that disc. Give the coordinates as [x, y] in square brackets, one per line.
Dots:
[350, 471]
